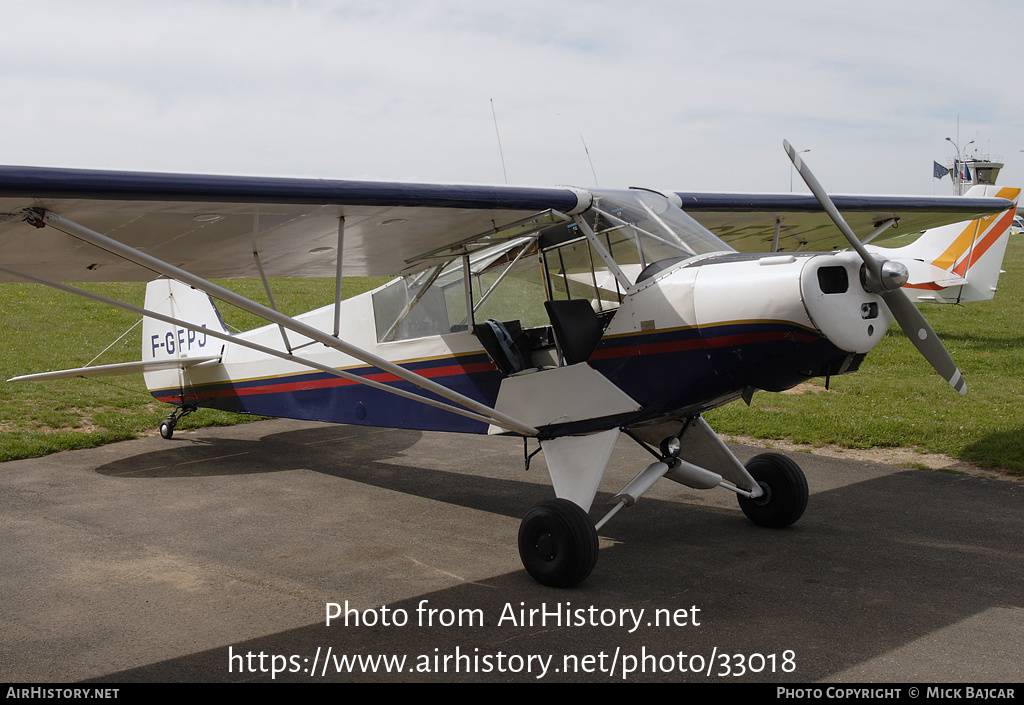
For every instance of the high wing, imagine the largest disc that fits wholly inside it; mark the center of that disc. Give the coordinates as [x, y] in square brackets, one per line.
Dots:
[747, 221]
[211, 225]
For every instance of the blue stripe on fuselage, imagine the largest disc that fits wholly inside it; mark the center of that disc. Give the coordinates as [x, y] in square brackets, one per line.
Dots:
[663, 371]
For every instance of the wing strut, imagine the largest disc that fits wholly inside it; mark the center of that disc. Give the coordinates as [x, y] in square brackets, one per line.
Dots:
[609, 261]
[134, 367]
[337, 277]
[270, 297]
[43, 217]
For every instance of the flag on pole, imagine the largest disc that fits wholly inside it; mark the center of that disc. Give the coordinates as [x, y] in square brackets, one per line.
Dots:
[939, 171]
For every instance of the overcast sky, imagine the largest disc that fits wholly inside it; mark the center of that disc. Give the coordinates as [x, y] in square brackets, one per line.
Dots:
[682, 95]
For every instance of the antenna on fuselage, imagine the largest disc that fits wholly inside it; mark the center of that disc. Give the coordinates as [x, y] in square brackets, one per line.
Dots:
[498, 134]
[589, 159]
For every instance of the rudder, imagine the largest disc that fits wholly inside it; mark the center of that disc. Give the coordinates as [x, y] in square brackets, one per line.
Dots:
[164, 341]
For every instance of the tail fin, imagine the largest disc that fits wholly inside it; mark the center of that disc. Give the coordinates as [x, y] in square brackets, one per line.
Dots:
[164, 341]
[960, 262]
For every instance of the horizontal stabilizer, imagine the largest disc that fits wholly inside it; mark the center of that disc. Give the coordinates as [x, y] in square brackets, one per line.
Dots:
[924, 273]
[123, 368]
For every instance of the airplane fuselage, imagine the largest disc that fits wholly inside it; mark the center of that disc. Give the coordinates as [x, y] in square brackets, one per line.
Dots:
[687, 338]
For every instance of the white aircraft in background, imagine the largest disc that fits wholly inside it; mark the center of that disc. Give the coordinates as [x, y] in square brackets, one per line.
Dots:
[1018, 225]
[562, 314]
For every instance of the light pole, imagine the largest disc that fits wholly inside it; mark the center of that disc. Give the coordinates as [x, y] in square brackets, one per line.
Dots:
[791, 168]
[956, 165]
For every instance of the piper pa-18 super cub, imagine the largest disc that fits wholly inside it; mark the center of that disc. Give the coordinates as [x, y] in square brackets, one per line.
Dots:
[561, 314]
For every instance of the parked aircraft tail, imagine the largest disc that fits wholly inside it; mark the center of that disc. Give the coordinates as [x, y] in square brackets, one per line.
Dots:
[167, 350]
[162, 341]
[960, 262]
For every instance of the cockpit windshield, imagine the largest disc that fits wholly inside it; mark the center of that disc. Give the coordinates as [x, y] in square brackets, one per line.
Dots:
[661, 228]
[508, 275]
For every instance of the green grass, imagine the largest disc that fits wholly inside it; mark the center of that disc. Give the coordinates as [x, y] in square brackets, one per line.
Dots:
[895, 400]
[42, 329]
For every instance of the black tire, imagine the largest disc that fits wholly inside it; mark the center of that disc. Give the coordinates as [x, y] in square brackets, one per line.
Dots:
[785, 486]
[166, 429]
[558, 543]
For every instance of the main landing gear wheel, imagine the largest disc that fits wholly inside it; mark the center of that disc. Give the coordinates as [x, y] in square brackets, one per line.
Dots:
[558, 543]
[785, 491]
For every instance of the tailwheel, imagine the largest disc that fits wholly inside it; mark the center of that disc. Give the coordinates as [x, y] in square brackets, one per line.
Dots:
[167, 429]
[785, 491]
[558, 543]
[168, 425]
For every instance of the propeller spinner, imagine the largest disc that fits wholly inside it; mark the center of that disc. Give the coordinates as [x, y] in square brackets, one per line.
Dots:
[885, 277]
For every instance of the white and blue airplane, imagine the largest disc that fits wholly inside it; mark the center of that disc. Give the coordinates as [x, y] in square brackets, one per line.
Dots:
[566, 315]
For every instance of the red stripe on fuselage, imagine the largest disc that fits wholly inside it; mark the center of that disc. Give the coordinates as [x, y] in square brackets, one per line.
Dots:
[647, 349]
[724, 341]
[304, 385]
[450, 370]
[714, 341]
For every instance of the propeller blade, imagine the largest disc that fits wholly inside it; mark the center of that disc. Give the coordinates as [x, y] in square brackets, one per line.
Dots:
[902, 308]
[812, 183]
[924, 338]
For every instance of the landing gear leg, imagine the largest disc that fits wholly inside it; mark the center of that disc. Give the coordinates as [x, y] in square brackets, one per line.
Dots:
[785, 491]
[168, 425]
[558, 543]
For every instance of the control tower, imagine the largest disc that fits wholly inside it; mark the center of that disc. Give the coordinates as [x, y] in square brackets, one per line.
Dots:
[971, 171]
